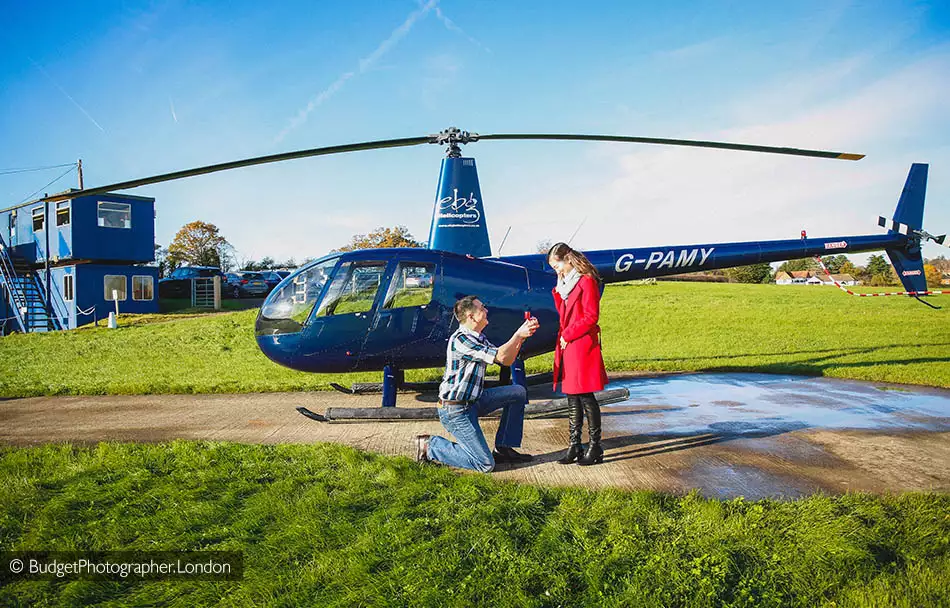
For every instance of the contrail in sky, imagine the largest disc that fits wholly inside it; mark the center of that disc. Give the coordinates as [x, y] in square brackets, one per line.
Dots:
[364, 64]
[452, 27]
[68, 96]
[171, 104]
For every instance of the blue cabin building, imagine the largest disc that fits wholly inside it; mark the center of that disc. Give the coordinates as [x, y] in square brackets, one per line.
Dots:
[66, 264]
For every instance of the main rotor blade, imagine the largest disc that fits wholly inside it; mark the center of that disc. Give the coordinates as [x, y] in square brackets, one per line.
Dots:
[237, 164]
[679, 142]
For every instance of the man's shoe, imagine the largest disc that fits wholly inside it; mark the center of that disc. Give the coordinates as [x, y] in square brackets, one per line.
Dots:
[422, 448]
[510, 455]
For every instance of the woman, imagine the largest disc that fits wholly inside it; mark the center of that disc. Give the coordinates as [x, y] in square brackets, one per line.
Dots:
[578, 363]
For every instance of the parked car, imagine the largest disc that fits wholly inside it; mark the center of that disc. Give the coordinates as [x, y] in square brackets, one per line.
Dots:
[178, 283]
[419, 280]
[274, 277]
[246, 284]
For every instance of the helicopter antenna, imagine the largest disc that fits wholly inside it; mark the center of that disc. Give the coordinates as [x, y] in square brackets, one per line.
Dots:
[507, 232]
[576, 231]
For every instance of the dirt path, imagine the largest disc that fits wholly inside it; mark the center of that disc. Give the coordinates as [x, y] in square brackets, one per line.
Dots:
[788, 464]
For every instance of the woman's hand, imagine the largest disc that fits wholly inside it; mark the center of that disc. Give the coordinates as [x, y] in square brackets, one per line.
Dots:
[563, 342]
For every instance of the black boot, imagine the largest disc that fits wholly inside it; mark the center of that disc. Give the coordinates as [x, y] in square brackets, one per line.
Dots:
[595, 453]
[575, 425]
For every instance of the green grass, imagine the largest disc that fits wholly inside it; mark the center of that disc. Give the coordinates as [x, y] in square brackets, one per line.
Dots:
[328, 525]
[662, 327]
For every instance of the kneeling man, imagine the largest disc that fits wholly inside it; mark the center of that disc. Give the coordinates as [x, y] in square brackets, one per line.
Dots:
[462, 398]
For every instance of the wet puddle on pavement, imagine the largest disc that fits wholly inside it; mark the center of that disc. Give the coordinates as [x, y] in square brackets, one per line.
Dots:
[766, 404]
[752, 415]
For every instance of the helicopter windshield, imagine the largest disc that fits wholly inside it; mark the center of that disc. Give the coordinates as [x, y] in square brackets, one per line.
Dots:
[289, 306]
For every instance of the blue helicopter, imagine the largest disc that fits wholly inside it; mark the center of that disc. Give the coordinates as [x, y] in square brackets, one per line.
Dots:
[390, 310]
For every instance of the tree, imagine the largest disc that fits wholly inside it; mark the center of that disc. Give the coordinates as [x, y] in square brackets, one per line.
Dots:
[544, 246]
[835, 263]
[161, 260]
[933, 275]
[941, 263]
[849, 268]
[878, 271]
[802, 264]
[398, 236]
[754, 273]
[199, 244]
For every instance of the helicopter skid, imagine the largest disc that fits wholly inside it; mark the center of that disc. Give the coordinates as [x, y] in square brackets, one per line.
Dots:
[367, 388]
[554, 408]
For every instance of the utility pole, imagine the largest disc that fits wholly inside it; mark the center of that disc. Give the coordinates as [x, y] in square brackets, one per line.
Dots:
[80, 173]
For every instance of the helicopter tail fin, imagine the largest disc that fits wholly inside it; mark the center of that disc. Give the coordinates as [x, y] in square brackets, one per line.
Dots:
[458, 218]
[908, 219]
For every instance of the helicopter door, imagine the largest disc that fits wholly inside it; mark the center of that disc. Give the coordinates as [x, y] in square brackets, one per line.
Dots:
[407, 314]
[346, 311]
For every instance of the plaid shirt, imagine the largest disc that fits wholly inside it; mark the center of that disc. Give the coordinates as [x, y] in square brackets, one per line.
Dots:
[467, 356]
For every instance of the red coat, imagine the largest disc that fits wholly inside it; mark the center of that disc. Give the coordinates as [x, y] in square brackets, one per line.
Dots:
[580, 366]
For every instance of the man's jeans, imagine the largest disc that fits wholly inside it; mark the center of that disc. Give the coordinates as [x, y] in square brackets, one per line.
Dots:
[472, 451]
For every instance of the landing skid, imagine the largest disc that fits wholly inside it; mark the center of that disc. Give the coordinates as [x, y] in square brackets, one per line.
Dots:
[368, 388]
[554, 408]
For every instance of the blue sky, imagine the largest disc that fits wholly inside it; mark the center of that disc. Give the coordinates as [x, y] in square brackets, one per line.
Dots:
[136, 89]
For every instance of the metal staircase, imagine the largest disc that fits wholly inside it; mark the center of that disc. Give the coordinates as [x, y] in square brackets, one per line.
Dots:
[32, 309]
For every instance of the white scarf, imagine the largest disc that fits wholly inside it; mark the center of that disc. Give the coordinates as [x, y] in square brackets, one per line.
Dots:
[566, 284]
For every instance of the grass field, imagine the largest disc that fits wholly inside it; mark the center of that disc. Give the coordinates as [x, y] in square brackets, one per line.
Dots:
[328, 525]
[662, 327]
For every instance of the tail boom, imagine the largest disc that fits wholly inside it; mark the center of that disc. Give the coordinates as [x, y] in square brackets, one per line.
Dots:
[617, 265]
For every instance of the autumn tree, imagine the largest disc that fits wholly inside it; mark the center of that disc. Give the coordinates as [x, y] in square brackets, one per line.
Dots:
[849, 268]
[933, 275]
[200, 244]
[398, 236]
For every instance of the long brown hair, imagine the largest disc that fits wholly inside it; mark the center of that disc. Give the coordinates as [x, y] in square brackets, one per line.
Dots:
[563, 251]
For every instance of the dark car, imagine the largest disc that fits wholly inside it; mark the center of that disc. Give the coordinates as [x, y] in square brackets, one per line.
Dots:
[274, 277]
[178, 283]
[246, 284]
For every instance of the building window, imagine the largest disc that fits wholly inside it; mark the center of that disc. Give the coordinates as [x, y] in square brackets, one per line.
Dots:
[39, 219]
[116, 283]
[142, 288]
[115, 215]
[68, 288]
[63, 213]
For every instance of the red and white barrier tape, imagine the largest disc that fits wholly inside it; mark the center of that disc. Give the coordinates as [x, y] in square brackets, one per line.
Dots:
[874, 295]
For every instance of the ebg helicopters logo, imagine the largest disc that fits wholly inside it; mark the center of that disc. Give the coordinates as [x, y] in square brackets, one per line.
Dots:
[464, 210]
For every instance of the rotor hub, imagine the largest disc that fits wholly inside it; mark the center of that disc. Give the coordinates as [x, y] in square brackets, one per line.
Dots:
[453, 137]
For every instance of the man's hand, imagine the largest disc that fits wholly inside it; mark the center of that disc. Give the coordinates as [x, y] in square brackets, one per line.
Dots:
[508, 351]
[527, 328]
[563, 342]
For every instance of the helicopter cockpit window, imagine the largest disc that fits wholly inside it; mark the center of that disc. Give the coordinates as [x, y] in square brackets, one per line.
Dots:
[411, 285]
[287, 309]
[353, 288]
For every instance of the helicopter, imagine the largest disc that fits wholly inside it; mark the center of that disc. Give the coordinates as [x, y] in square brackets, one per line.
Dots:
[391, 309]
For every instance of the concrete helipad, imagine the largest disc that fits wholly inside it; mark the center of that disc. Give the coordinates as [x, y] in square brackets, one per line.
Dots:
[790, 438]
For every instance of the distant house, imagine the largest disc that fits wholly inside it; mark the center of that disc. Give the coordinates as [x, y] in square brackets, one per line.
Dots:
[812, 277]
[945, 279]
[844, 279]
